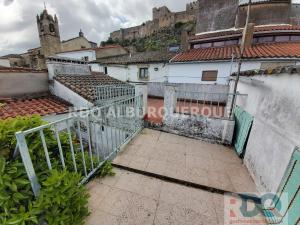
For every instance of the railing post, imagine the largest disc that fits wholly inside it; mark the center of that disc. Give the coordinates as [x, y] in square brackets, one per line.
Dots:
[28, 163]
[170, 100]
[142, 89]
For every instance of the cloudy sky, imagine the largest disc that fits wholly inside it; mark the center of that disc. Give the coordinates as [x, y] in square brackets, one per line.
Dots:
[97, 18]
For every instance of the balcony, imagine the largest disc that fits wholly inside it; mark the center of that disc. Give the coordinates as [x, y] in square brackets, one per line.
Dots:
[163, 178]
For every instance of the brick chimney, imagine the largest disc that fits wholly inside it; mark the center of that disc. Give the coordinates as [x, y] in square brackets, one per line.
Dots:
[248, 35]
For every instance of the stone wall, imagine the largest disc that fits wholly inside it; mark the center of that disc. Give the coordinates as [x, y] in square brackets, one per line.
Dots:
[216, 15]
[262, 14]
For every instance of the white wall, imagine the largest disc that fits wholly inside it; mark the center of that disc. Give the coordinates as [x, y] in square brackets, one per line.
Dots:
[70, 96]
[130, 72]
[79, 54]
[275, 104]
[192, 72]
[4, 62]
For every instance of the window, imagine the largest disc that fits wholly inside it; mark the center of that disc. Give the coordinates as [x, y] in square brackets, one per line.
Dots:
[219, 43]
[51, 27]
[105, 70]
[282, 38]
[210, 75]
[143, 73]
[86, 58]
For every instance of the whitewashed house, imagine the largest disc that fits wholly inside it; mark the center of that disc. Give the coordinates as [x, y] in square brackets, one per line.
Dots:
[213, 56]
[137, 67]
[87, 54]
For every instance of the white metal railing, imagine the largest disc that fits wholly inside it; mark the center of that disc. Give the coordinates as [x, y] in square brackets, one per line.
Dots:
[84, 141]
[107, 94]
[206, 104]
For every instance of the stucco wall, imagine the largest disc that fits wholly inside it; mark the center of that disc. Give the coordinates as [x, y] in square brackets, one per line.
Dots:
[70, 96]
[275, 105]
[157, 72]
[91, 54]
[192, 72]
[18, 84]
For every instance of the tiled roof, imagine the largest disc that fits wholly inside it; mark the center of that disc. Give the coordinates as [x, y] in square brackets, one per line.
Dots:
[10, 108]
[140, 57]
[238, 32]
[12, 56]
[266, 50]
[19, 70]
[84, 85]
[267, 72]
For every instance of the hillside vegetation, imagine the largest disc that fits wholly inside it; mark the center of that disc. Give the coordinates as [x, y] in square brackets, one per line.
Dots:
[157, 41]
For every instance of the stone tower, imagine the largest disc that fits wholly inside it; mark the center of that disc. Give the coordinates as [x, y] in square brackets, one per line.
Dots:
[48, 33]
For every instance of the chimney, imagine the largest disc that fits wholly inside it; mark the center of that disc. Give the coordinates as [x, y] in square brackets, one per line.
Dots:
[184, 41]
[248, 35]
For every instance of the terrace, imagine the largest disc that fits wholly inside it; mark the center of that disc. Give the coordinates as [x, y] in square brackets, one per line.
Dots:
[163, 178]
[190, 177]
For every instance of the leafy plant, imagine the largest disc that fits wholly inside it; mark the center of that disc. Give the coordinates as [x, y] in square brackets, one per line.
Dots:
[16, 197]
[62, 200]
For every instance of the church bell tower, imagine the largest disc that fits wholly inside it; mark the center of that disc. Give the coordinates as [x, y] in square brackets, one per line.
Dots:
[48, 33]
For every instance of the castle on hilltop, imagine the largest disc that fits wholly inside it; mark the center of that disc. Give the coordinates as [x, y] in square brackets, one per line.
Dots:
[215, 15]
[162, 18]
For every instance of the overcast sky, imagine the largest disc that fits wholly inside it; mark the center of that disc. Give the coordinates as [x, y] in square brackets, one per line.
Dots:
[97, 18]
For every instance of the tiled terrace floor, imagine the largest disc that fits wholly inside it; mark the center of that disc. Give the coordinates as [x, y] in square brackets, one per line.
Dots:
[134, 199]
[187, 159]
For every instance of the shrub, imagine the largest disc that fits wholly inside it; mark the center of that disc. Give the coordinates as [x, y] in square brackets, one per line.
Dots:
[62, 200]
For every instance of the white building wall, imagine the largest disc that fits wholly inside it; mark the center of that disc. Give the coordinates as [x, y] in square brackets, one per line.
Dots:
[157, 72]
[275, 104]
[79, 54]
[68, 95]
[4, 62]
[192, 72]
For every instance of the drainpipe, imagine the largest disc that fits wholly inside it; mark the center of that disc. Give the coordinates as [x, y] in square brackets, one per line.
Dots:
[242, 49]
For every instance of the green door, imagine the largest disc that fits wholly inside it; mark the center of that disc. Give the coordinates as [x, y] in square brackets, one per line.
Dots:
[287, 203]
[243, 124]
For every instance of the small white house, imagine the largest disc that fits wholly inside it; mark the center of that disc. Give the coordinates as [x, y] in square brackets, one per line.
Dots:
[88, 54]
[4, 62]
[137, 67]
[214, 65]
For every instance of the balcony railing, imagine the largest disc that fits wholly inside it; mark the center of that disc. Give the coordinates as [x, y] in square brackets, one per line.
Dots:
[93, 137]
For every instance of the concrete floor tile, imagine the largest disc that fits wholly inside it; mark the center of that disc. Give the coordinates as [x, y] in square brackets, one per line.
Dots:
[99, 218]
[169, 214]
[153, 133]
[97, 194]
[123, 160]
[149, 187]
[111, 180]
[156, 166]
[171, 138]
[128, 181]
[174, 193]
[176, 170]
[220, 181]
[198, 176]
[138, 162]
[199, 162]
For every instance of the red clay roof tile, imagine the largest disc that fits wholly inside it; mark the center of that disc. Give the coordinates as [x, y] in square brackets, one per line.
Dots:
[266, 50]
[36, 106]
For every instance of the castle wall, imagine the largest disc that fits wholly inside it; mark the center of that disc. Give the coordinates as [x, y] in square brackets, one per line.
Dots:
[261, 14]
[216, 15]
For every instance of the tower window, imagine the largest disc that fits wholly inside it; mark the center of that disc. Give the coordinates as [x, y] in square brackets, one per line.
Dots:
[51, 27]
